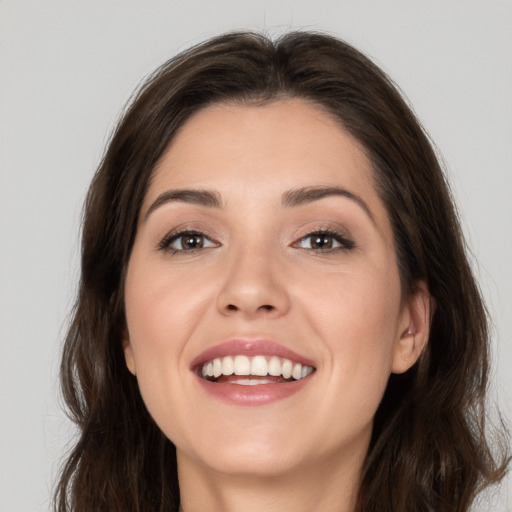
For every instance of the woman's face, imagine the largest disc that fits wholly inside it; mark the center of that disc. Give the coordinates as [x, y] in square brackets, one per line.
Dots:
[263, 248]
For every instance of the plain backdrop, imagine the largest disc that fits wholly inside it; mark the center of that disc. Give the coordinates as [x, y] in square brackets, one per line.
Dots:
[67, 68]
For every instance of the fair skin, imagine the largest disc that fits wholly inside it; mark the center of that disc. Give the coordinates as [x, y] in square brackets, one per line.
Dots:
[311, 272]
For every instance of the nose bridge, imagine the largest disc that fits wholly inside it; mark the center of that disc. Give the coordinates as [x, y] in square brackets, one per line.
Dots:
[252, 282]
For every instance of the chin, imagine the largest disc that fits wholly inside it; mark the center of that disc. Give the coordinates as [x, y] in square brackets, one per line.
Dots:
[253, 464]
[253, 452]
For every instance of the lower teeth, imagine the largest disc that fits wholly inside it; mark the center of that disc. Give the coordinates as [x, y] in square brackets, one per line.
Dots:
[248, 381]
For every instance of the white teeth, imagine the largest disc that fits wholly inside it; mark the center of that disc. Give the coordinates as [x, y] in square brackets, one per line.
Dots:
[274, 366]
[259, 365]
[306, 370]
[249, 382]
[228, 367]
[297, 371]
[287, 368]
[242, 365]
[217, 367]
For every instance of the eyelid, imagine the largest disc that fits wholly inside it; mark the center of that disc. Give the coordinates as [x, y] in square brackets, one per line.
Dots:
[164, 243]
[343, 238]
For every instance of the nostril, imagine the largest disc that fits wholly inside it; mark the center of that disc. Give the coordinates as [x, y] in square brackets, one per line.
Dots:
[266, 307]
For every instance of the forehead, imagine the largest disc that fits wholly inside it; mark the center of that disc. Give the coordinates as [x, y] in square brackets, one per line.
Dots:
[287, 144]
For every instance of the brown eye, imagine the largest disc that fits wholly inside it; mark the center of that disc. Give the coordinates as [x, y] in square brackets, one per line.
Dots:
[325, 241]
[186, 241]
[193, 241]
[321, 241]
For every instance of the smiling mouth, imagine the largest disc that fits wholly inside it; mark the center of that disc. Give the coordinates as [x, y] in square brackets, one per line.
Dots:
[253, 371]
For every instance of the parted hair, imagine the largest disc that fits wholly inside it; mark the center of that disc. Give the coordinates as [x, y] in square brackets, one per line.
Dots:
[431, 449]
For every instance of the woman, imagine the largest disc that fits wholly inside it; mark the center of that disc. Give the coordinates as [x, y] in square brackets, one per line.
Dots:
[276, 311]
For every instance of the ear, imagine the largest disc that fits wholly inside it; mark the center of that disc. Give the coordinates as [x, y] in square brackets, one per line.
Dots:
[414, 329]
[128, 353]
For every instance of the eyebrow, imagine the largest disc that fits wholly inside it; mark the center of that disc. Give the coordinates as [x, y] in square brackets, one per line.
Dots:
[301, 196]
[290, 199]
[206, 198]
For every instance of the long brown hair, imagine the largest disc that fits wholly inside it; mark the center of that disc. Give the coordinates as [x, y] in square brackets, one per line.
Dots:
[430, 449]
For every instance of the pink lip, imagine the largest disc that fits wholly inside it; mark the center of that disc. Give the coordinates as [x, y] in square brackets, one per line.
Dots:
[249, 348]
[235, 394]
[263, 394]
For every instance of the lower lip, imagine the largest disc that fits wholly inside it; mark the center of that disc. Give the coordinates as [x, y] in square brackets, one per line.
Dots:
[261, 394]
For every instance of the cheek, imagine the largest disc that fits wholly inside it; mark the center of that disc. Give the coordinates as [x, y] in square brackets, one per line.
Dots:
[357, 309]
[161, 311]
[157, 329]
[165, 311]
[358, 322]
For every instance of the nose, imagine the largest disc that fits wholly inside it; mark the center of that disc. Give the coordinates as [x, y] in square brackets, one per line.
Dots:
[254, 285]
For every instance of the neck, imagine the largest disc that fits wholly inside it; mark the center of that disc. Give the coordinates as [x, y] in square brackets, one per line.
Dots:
[326, 486]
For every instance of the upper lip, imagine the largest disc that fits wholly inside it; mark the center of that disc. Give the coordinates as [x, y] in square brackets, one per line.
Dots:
[253, 347]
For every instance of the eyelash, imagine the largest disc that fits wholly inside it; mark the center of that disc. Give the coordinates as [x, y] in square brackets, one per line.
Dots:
[345, 244]
[165, 243]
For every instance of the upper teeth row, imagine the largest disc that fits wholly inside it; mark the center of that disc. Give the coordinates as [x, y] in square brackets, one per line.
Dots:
[257, 365]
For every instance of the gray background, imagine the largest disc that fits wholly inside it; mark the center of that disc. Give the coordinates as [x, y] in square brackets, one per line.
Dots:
[67, 68]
